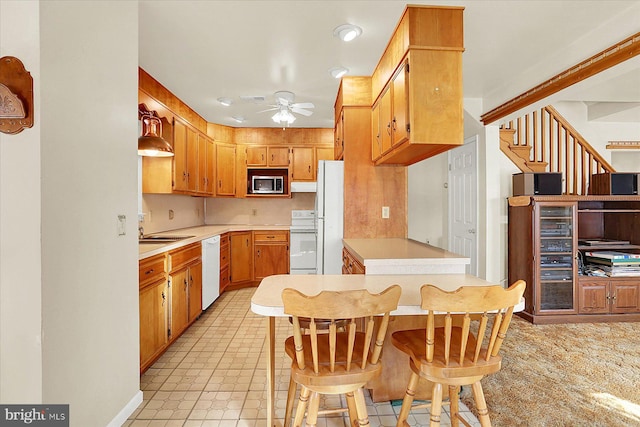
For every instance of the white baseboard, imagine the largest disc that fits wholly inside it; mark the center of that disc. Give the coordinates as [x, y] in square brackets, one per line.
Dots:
[126, 412]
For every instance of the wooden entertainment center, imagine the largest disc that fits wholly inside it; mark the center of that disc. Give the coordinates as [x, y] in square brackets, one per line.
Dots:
[547, 236]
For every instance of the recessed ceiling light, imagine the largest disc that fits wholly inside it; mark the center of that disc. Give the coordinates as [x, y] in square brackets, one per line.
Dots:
[347, 32]
[338, 72]
[225, 101]
[238, 119]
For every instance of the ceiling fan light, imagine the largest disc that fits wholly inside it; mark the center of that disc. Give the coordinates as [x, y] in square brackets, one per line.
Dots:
[347, 32]
[283, 116]
[225, 101]
[338, 72]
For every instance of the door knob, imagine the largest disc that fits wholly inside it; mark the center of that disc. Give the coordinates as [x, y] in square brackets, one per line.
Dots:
[471, 231]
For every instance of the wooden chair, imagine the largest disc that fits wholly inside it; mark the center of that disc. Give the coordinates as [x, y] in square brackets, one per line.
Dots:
[459, 346]
[336, 362]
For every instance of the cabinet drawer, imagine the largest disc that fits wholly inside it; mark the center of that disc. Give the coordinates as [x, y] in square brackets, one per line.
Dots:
[224, 278]
[224, 256]
[180, 257]
[270, 236]
[151, 270]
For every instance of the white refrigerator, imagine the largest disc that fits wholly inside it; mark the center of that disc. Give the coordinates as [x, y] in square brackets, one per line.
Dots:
[329, 215]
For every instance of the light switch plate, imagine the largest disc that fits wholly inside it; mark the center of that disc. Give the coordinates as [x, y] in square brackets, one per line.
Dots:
[385, 212]
[122, 225]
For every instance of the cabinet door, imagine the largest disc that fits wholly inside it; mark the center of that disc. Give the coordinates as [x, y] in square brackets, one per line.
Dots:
[270, 259]
[302, 159]
[195, 290]
[210, 167]
[338, 133]
[153, 321]
[400, 107]
[376, 135]
[226, 170]
[179, 301]
[257, 156]
[323, 154]
[625, 296]
[593, 297]
[555, 268]
[180, 173]
[192, 160]
[278, 156]
[385, 121]
[241, 264]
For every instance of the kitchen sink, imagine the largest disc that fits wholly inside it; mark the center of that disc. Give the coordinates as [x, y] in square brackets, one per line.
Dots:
[162, 239]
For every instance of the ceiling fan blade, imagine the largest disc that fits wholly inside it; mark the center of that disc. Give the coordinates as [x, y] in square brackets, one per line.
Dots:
[269, 109]
[301, 111]
[303, 105]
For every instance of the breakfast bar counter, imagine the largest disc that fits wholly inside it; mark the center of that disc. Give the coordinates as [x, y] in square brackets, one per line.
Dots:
[267, 302]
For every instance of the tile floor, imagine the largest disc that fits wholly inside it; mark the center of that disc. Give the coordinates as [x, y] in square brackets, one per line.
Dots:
[214, 375]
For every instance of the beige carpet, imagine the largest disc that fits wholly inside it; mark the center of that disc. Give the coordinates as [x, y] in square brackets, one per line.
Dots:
[566, 375]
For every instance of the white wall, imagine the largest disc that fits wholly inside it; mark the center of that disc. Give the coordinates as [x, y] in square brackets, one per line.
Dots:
[427, 203]
[89, 60]
[20, 299]
[625, 161]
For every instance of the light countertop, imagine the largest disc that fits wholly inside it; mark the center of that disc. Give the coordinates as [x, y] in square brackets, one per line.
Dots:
[267, 300]
[392, 255]
[146, 250]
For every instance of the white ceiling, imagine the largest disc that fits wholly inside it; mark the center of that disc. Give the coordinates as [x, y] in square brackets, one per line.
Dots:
[203, 50]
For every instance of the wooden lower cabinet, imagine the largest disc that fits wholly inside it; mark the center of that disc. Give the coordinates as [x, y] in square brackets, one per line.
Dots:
[185, 282]
[350, 264]
[241, 263]
[271, 253]
[224, 262]
[154, 309]
[608, 295]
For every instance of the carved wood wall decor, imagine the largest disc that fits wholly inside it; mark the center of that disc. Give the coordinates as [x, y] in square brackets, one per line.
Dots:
[16, 96]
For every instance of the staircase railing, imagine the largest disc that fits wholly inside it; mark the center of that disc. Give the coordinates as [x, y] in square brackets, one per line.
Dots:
[545, 141]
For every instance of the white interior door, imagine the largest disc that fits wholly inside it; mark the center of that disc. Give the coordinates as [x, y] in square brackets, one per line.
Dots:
[463, 202]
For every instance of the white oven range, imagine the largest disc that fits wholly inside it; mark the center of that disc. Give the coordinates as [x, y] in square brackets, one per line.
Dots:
[303, 235]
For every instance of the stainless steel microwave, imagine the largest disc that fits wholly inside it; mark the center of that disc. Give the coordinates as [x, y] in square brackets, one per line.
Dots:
[267, 184]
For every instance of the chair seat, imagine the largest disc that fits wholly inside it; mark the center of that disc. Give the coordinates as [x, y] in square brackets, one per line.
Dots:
[412, 342]
[325, 378]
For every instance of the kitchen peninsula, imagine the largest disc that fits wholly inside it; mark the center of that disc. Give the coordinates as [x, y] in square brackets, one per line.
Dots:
[402, 256]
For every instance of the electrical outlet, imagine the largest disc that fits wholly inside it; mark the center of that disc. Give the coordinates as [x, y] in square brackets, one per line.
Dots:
[254, 212]
[171, 214]
[385, 212]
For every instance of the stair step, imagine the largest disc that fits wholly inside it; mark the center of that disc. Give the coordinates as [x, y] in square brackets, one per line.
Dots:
[521, 150]
[537, 166]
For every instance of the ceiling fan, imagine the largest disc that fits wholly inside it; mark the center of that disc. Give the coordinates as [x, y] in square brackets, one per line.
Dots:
[285, 107]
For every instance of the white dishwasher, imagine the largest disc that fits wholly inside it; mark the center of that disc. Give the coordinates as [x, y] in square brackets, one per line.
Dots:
[210, 270]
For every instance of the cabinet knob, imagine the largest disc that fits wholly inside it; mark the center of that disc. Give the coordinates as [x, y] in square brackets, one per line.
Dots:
[164, 298]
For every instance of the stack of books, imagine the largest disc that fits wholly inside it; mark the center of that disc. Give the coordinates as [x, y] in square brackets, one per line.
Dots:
[614, 263]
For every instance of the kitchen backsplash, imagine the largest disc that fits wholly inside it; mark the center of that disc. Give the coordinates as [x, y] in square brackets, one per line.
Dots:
[170, 212]
[268, 211]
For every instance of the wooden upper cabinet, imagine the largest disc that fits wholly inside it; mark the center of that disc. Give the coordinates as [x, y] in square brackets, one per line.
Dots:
[192, 160]
[226, 169]
[421, 74]
[400, 106]
[303, 164]
[323, 153]
[257, 156]
[278, 156]
[206, 165]
[180, 157]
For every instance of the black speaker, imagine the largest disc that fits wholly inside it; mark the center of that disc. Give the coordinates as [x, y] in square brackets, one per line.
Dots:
[537, 184]
[615, 183]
